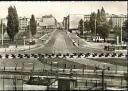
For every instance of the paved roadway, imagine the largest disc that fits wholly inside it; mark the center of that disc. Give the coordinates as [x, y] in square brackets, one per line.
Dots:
[60, 42]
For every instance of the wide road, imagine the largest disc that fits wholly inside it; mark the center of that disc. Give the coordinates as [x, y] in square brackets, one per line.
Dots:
[60, 42]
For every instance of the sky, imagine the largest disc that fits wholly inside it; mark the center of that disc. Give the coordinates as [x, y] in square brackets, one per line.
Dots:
[60, 9]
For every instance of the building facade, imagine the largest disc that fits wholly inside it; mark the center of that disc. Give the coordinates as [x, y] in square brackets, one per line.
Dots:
[23, 23]
[117, 20]
[48, 21]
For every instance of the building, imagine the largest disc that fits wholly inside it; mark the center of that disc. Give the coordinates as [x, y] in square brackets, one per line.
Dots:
[23, 23]
[118, 20]
[86, 17]
[74, 21]
[48, 21]
[4, 21]
[38, 19]
[65, 21]
[45, 24]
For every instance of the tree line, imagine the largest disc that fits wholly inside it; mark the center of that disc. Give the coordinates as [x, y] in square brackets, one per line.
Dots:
[12, 27]
[99, 25]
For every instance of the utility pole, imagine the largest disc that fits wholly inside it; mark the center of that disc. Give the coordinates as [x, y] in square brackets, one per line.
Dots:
[121, 34]
[127, 47]
[95, 28]
[2, 31]
[29, 37]
[83, 25]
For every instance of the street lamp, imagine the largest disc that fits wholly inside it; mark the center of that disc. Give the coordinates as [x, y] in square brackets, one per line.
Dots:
[22, 66]
[2, 31]
[24, 37]
[95, 28]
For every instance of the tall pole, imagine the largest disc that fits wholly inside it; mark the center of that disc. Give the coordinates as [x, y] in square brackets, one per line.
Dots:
[127, 45]
[83, 25]
[2, 31]
[95, 28]
[121, 34]
[29, 37]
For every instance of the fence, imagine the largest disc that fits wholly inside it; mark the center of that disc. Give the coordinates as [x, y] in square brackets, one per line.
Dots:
[9, 82]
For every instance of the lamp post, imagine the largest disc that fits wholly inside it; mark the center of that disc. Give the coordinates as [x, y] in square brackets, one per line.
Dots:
[2, 31]
[95, 28]
[24, 37]
[29, 35]
[22, 66]
[127, 47]
[121, 35]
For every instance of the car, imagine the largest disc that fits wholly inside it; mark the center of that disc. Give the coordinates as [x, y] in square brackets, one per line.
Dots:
[31, 42]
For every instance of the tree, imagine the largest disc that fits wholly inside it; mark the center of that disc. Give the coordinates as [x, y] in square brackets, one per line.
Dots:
[12, 23]
[81, 27]
[98, 17]
[33, 25]
[103, 31]
[102, 24]
[125, 31]
[103, 15]
[117, 31]
[16, 21]
[87, 26]
[92, 22]
[110, 22]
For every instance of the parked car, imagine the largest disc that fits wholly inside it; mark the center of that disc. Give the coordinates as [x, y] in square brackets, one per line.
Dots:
[31, 42]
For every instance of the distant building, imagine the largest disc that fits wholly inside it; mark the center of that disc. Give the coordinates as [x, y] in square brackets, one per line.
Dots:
[48, 21]
[74, 21]
[65, 23]
[4, 21]
[38, 19]
[23, 23]
[118, 20]
[86, 17]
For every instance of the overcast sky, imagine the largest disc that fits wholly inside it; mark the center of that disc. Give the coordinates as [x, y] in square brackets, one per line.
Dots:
[59, 9]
